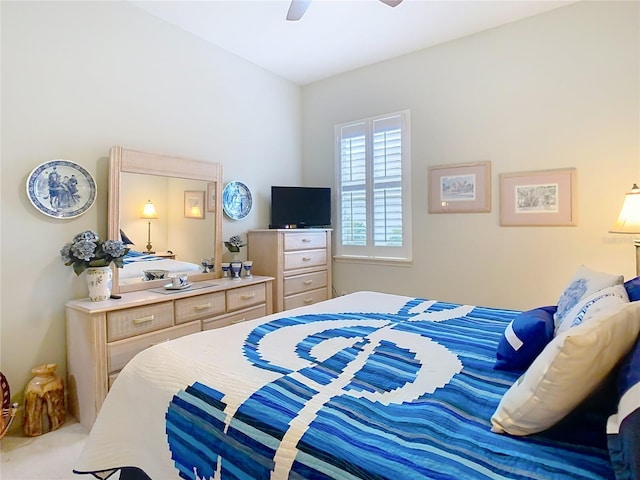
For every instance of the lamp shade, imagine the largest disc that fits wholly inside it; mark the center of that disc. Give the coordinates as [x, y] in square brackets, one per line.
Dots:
[629, 218]
[149, 210]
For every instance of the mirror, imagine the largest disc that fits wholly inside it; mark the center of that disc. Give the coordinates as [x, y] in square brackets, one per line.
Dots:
[187, 225]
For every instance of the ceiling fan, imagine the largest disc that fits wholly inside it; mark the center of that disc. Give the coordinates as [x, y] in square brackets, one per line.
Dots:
[298, 7]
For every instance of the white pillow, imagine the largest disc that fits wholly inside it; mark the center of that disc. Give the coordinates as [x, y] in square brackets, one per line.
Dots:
[589, 306]
[570, 368]
[584, 282]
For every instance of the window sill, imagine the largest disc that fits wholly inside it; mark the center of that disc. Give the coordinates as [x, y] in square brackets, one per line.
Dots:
[396, 262]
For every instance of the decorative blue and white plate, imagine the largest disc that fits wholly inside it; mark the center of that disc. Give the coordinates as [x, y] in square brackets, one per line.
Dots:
[236, 200]
[61, 189]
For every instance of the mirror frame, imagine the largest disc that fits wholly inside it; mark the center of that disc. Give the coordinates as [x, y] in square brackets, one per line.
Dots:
[122, 160]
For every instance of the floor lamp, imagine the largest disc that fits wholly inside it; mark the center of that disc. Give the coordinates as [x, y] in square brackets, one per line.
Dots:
[629, 220]
[149, 213]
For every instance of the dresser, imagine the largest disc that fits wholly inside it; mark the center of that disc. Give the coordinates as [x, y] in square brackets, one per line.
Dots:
[299, 261]
[103, 336]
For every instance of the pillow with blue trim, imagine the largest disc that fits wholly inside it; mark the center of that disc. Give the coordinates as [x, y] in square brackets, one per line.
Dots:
[524, 338]
[623, 428]
[584, 282]
[591, 305]
[633, 289]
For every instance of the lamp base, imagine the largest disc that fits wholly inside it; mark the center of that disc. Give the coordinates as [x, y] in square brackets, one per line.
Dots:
[637, 245]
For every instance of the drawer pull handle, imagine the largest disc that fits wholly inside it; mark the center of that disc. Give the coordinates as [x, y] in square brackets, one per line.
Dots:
[308, 300]
[138, 321]
[306, 259]
[203, 306]
[248, 296]
[308, 282]
[238, 320]
[306, 240]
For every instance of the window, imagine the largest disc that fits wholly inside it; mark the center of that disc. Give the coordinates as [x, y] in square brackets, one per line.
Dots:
[374, 188]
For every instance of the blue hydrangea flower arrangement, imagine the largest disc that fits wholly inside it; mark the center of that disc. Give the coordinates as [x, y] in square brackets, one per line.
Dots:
[88, 250]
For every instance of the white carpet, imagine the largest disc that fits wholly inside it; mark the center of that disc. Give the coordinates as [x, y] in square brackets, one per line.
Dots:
[46, 457]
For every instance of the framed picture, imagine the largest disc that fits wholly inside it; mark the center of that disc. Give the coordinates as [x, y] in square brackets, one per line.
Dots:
[462, 188]
[211, 197]
[544, 198]
[194, 204]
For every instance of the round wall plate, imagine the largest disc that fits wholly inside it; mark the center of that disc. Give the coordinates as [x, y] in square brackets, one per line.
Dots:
[236, 200]
[61, 189]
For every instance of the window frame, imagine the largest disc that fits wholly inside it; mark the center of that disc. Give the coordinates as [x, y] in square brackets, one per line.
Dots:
[370, 253]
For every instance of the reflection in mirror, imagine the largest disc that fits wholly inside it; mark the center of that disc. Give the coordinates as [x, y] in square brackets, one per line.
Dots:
[190, 239]
[184, 231]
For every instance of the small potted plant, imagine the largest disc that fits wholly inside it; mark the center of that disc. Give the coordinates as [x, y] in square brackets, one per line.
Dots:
[234, 244]
[88, 253]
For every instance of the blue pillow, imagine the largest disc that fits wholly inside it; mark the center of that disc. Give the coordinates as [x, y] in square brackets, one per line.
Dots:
[633, 289]
[524, 338]
[623, 428]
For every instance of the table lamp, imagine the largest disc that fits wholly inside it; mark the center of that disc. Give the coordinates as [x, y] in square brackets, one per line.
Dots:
[629, 220]
[149, 212]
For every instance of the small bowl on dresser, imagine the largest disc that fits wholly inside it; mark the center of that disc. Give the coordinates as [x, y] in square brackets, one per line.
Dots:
[155, 274]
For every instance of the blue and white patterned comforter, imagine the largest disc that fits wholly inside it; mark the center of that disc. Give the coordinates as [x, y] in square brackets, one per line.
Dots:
[366, 386]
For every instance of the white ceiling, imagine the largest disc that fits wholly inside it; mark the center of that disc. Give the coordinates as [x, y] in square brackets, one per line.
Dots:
[335, 36]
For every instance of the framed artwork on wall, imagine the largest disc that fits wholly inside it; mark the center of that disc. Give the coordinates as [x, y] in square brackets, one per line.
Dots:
[194, 204]
[545, 198]
[461, 188]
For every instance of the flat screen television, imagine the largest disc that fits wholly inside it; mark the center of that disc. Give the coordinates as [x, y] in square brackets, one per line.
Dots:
[300, 207]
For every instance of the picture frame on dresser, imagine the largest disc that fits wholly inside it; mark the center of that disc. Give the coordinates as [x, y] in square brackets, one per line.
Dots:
[543, 198]
[460, 188]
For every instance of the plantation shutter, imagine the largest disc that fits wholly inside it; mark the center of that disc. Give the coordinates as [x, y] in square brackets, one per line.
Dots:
[373, 188]
[353, 185]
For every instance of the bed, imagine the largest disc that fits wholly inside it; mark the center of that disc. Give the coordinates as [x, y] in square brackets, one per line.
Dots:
[135, 263]
[368, 385]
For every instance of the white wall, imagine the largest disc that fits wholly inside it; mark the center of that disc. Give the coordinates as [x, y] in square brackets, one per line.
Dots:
[80, 77]
[556, 90]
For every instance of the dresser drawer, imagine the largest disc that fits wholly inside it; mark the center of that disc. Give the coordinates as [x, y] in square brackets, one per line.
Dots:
[137, 320]
[244, 297]
[238, 317]
[304, 299]
[304, 259]
[119, 353]
[192, 308]
[304, 240]
[305, 282]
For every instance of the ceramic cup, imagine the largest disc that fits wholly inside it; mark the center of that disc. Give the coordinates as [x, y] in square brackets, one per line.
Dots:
[247, 267]
[236, 268]
[226, 266]
[178, 281]
[207, 265]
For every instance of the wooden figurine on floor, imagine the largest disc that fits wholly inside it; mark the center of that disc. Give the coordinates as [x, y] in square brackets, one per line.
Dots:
[43, 401]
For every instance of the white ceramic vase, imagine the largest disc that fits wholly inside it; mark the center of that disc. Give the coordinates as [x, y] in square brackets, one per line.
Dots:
[99, 281]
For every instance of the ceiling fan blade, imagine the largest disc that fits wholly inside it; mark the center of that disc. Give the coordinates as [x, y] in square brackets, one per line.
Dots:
[392, 3]
[297, 9]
